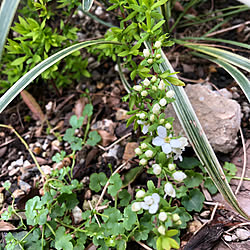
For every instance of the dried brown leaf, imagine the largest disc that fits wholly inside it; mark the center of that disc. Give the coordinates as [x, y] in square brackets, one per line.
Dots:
[33, 106]
[5, 226]
[107, 138]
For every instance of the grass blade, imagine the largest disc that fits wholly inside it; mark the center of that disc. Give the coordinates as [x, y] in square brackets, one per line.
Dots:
[234, 72]
[7, 12]
[221, 54]
[199, 141]
[87, 4]
[25, 80]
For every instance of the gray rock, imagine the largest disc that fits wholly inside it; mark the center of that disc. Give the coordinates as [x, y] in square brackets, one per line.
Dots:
[219, 116]
[242, 234]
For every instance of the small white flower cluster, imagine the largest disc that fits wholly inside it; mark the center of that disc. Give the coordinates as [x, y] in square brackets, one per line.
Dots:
[157, 55]
[163, 217]
[150, 203]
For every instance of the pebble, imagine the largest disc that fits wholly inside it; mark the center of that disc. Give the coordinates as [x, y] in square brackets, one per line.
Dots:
[26, 164]
[46, 169]
[205, 214]
[242, 234]
[193, 226]
[227, 238]
[45, 145]
[99, 11]
[25, 176]
[14, 171]
[24, 186]
[234, 237]
[17, 193]
[121, 114]
[77, 214]
[51, 137]
[55, 144]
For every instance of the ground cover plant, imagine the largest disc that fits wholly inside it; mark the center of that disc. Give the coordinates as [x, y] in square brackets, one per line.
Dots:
[153, 215]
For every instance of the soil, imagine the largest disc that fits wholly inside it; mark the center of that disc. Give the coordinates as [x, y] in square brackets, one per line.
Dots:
[106, 91]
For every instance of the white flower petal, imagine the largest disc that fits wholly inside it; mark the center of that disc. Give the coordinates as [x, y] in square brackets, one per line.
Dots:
[175, 143]
[144, 206]
[158, 141]
[153, 208]
[162, 132]
[149, 200]
[140, 122]
[145, 129]
[166, 148]
[156, 197]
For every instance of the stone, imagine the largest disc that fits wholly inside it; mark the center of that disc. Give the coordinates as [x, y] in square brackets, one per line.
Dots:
[227, 238]
[219, 116]
[77, 215]
[242, 234]
[24, 186]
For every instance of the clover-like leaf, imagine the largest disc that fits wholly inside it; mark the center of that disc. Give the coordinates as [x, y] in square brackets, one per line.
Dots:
[94, 138]
[88, 110]
[193, 201]
[115, 184]
[193, 179]
[63, 241]
[97, 181]
[58, 157]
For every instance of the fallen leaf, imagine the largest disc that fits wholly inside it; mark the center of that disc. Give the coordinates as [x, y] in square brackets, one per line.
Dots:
[130, 150]
[5, 226]
[121, 114]
[80, 105]
[33, 106]
[107, 138]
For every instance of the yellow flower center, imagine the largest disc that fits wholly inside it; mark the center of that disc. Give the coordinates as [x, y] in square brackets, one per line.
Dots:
[167, 139]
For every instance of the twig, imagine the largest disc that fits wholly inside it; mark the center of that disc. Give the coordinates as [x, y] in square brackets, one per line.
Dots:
[214, 210]
[94, 214]
[238, 225]
[226, 243]
[227, 29]
[106, 185]
[11, 140]
[113, 144]
[143, 245]
[244, 162]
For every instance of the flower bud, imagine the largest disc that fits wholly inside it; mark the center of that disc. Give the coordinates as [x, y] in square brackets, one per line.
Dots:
[156, 108]
[140, 194]
[179, 222]
[153, 79]
[162, 121]
[158, 56]
[169, 190]
[162, 230]
[168, 126]
[162, 216]
[146, 53]
[163, 102]
[138, 151]
[144, 93]
[179, 176]
[171, 166]
[150, 61]
[142, 116]
[136, 206]
[152, 117]
[161, 85]
[170, 94]
[143, 162]
[144, 145]
[149, 153]
[176, 217]
[156, 169]
[137, 87]
[157, 44]
[146, 82]
[154, 88]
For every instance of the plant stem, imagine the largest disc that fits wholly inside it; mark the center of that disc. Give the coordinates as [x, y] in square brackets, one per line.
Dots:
[50, 228]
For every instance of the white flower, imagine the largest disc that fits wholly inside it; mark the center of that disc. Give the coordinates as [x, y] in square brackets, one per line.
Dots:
[150, 61]
[151, 203]
[169, 190]
[162, 216]
[144, 93]
[168, 126]
[140, 194]
[149, 153]
[145, 126]
[136, 206]
[163, 102]
[158, 56]
[146, 53]
[171, 166]
[156, 169]
[154, 88]
[146, 82]
[142, 116]
[157, 44]
[153, 79]
[176, 217]
[137, 87]
[170, 94]
[179, 176]
[161, 230]
[144, 145]
[143, 161]
[138, 151]
[167, 144]
[162, 121]
[152, 117]
[156, 108]
[162, 85]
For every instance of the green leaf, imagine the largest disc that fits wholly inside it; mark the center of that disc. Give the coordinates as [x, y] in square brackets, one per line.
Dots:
[158, 25]
[18, 61]
[76, 144]
[131, 175]
[193, 201]
[69, 135]
[209, 185]
[94, 138]
[87, 4]
[124, 197]
[7, 185]
[175, 81]
[63, 240]
[88, 110]
[75, 122]
[25, 80]
[58, 157]
[97, 181]
[193, 179]
[7, 13]
[189, 163]
[130, 218]
[115, 184]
